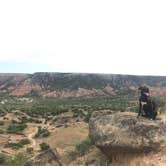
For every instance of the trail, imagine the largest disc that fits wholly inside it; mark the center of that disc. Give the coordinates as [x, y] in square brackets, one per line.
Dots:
[30, 132]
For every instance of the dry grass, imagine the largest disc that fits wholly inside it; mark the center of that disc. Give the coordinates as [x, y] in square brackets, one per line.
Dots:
[66, 138]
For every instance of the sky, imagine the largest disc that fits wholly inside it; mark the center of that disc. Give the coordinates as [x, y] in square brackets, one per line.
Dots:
[89, 36]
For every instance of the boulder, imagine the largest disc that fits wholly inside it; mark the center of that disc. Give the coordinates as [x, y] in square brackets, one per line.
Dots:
[46, 158]
[124, 133]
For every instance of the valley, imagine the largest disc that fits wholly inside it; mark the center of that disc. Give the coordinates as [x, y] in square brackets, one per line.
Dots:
[52, 110]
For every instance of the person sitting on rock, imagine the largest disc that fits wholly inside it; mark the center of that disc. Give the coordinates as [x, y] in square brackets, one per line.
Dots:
[147, 106]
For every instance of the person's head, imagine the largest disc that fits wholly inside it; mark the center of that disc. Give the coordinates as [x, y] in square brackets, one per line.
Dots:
[144, 89]
[140, 88]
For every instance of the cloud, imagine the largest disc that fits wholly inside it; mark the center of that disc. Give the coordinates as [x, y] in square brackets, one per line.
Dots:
[85, 36]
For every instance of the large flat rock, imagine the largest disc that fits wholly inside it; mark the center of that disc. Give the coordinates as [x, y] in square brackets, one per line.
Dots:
[123, 132]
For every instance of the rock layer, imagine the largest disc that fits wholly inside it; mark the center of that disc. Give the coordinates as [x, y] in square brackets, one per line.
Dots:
[78, 85]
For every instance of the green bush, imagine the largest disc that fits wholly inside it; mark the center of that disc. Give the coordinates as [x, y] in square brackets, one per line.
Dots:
[44, 146]
[83, 146]
[80, 148]
[160, 104]
[20, 144]
[1, 131]
[16, 128]
[29, 150]
[1, 123]
[42, 133]
[87, 117]
[2, 159]
[24, 141]
[17, 160]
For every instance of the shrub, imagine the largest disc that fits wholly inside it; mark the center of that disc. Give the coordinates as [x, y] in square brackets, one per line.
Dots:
[1, 131]
[14, 145]
[17, 160]
[20, 144]
[16, 128]
[44, 146]
[1, 123]
[80, 149]
[83, 146]
[42, 133]
[160, 104]
[29, 150]
[87, 118]
[24, 141]
[36, 121]
[2, 158]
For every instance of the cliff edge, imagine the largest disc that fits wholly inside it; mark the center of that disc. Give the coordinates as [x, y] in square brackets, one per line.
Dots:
[127, 140]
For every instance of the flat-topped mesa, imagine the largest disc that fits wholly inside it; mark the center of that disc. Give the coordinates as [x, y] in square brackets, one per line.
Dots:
[123, 133]
[78, 84]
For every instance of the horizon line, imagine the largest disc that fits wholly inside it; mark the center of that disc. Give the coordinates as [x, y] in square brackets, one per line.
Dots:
[10, 73]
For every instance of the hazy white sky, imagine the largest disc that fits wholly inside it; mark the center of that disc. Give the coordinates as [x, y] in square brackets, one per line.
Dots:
[101, 36]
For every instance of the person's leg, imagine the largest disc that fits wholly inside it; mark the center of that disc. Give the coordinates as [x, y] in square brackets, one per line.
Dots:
[140, 108]
[146, 111]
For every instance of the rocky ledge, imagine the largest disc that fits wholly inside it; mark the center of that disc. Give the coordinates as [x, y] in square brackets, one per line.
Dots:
[123, 134]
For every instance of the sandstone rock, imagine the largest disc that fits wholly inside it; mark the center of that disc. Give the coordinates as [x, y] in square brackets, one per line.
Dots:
[109, 90]
[122, 133]
[46, 158]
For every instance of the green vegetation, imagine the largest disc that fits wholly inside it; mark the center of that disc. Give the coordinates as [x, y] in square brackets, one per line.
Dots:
[44, 146]
[16, 128]
[54, 81]
[17, 160]
[29, 150]
[33, 108]
[82, 107]
[1, 123]
[1, 131]
[67, 81]
[59, 81]
[161, 104]
[80, 148]
[42, 133]
[2, 159]
[44, 107]
[47, 107]
[18, 145]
